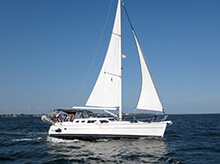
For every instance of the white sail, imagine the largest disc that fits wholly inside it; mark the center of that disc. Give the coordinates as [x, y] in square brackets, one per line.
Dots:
[149, 98]
[107, 90]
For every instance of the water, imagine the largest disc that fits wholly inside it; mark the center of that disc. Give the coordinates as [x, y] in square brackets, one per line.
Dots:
[191, 139]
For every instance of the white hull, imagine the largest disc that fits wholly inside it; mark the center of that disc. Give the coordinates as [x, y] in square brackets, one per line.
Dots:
[113, 129]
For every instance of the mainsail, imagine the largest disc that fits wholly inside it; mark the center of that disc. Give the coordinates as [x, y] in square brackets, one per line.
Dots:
[107, 90]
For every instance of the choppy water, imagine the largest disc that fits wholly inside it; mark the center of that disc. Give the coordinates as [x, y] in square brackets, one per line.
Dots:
[191, 139]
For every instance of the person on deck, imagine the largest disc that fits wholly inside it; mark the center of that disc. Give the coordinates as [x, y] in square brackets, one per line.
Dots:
[68, 117]
[59, 119]
[63, 116]
[72, 117]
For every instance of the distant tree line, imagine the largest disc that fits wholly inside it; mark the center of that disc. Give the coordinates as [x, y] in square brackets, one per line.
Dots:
[21, 115]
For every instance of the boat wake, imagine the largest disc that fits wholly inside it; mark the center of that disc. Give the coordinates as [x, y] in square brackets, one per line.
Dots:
[59, 140]
[26, 139]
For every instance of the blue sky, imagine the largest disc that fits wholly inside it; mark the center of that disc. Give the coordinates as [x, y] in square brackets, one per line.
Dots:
[47, 47]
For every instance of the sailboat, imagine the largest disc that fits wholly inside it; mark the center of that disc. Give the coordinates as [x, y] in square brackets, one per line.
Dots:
[106, 95]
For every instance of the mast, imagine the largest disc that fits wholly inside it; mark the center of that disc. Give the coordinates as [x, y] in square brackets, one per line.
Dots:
[120, 94]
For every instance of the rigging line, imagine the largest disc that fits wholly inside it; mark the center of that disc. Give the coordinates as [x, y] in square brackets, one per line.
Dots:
[127, 15]
[96, 52]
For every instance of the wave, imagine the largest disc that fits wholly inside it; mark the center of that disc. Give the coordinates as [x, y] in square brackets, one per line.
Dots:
[58, 140]
[23, 139]
[26, 139]
[103, 140]
[22, 133]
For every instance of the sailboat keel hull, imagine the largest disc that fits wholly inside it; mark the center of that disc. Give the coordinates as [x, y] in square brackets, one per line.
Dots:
[111, 130]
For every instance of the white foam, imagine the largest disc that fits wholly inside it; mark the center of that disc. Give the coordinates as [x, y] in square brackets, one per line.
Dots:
[23, 139]
[39, 138]
[57, 140]
[102, 140]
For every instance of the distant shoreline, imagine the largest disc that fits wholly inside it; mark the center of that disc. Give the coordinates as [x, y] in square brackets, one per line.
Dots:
[21, 115]
[125, 114]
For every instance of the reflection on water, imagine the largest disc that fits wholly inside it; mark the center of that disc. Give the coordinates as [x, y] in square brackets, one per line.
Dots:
[117, 151]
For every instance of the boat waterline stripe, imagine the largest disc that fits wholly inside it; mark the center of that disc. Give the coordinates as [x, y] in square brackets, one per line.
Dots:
[99, 136]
